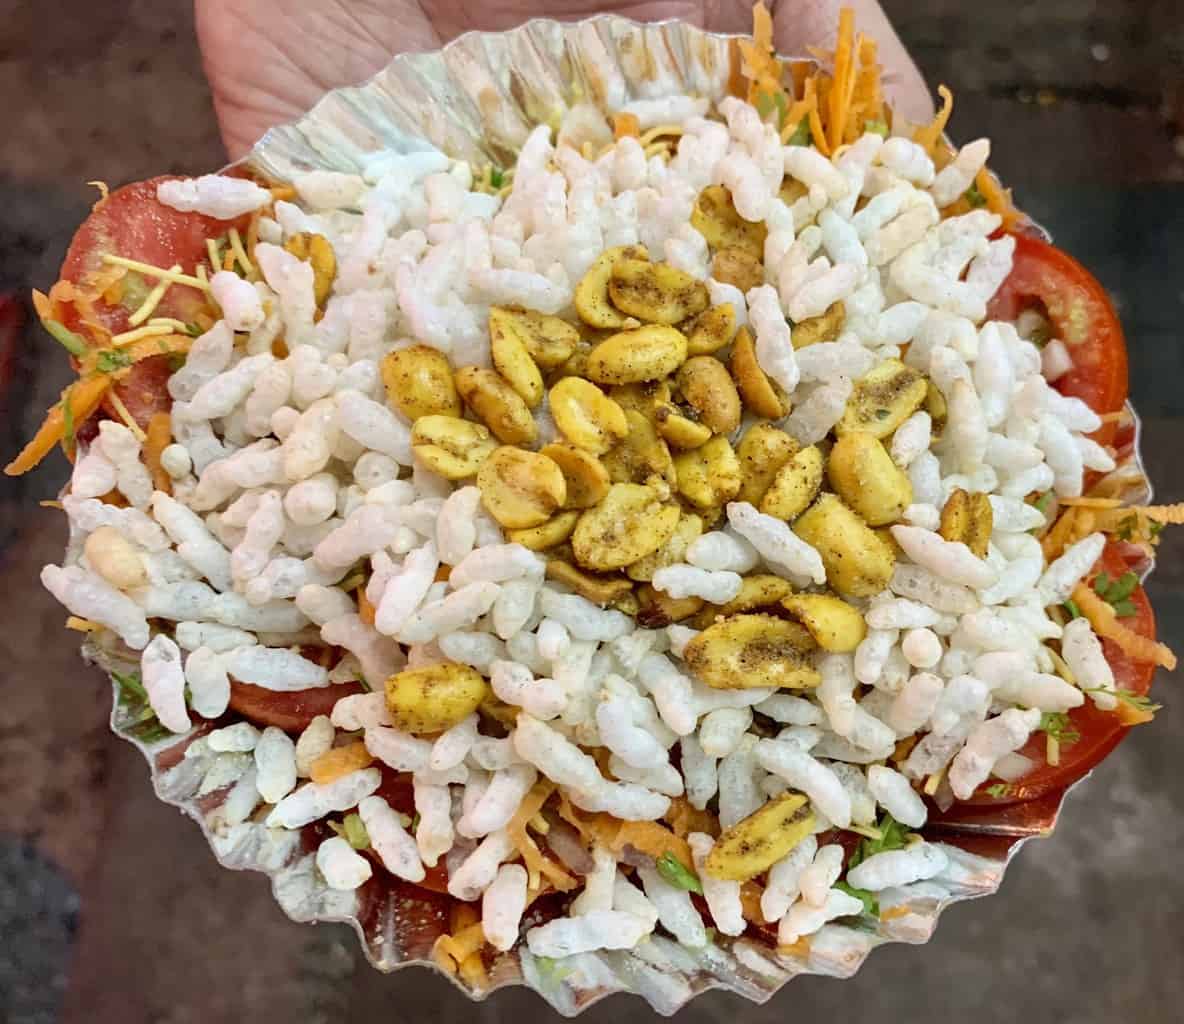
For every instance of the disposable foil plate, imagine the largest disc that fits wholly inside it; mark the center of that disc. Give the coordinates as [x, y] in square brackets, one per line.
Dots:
[477, 99]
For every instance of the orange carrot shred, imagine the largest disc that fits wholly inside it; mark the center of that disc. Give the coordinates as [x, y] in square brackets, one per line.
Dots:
[158, 436]
[1105, 622]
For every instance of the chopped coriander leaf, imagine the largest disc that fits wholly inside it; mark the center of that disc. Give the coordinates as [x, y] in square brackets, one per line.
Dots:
[176, 361]
[1042, 502]
[496, 178]
[876, 127]
[974, 197]
[130, 686]
[1126, 527]
[355, 832]
[414, 822]
[1125, 609]
[1101, 584]
[1154, 529]
[678, 874]
[73, 343]
[193, 329]
[1138, 701]
[110, 360]
[1121, 588]
[801, 134]
[1071, 607]
[998, 790]
[870, 904]
[893, 836]
[1059, 726]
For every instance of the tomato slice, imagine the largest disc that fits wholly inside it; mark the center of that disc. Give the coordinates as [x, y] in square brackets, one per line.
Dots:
[1100, 731]
[131, 222]
[291, 710]
[1082, 316]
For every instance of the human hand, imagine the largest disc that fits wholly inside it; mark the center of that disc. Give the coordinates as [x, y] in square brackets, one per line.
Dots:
[268, 61]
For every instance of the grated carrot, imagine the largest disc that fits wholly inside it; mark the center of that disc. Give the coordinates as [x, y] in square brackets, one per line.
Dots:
[930, 135]
[684, 819]
[1057, 537]
[83, 398]
[157, 438]
[1105, 622]
[843, 78]
[537, 864]
[998, 198]
[339, 761]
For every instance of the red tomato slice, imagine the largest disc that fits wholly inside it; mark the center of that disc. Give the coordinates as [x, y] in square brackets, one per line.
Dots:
[291, 710]
[130, 222]
[144, 391]
[1100, 731]
[1082, 316]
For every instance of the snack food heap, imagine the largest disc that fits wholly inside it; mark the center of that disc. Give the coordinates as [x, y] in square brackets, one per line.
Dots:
[676, 521]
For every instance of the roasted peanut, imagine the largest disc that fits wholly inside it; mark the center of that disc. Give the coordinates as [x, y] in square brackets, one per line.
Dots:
[587, 417]
[745, 651]
[513, 361]
[548, 340]
[606, 591]
[819, 328]
[714, 216]
[968, 518]
[674, 550]
[585, 475]
[863, 474]
[635, 398]
[680, 430]
[656, 293]
[710, 475]
[796, 485]
[115, 558]
[659, 609]
[711, 330]
[762, 451]
[434, 698]
[592, 293]
[832, 622]
[630, 523]
[935, 403]
[760, 840]
[498, 405]
[520, 489]
[546, 535]
[640, 456]
[707, 388]
[760, 394]
[739, 267]
[316, 250]
[757, 591]
[883, 399]
[630, 357]
[450, 446]
[858, 562]
[418, 382]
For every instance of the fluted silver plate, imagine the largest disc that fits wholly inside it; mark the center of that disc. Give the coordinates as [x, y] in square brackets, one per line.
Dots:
[477, 99]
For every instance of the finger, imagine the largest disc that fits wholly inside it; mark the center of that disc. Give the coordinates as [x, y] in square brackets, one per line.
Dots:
[801, 23]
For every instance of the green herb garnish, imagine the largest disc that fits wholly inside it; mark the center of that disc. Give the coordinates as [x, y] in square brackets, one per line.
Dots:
[876, 127]
[974, 197]
[414, 822]
[893, 836]
[801, 134]
[176, 361]
[1042, 502]
[355, 832]
[1071, 607]
[678, 874]
[111, 359]
[130, 687]
[870, 904]
[1117, 592]
[1138, 701]
[1126, 527]
[193, 329]
[999, 790]
[1059, 726]
[768, 103]
[496, 178]
[73, 343]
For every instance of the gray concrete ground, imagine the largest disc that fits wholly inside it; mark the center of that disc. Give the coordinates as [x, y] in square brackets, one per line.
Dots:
[112, 909]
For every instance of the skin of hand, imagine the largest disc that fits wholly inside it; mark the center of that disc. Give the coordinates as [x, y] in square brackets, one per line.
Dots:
[268, 61]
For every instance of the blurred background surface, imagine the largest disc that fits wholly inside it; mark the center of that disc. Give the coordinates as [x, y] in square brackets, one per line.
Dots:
[113, 909]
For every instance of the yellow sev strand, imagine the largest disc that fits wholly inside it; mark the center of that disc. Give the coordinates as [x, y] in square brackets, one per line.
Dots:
[152, 299]
[215, 257]
[240, 254]
[83, 625]
[127, 417]
[148, 331]
[148, 270]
